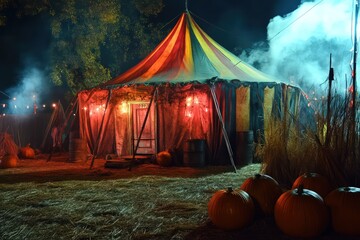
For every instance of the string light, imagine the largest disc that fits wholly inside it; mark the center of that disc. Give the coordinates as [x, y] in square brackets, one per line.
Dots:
[195, 101]
[124, 107]
[189, 101]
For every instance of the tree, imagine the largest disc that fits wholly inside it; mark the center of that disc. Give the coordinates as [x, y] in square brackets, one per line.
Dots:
[92, 40]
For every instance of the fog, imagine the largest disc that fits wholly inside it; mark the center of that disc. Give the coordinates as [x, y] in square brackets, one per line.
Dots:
[299, 45]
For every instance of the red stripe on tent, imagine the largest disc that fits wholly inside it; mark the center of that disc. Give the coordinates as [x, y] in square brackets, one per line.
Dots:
[175, 59]
[146, 63]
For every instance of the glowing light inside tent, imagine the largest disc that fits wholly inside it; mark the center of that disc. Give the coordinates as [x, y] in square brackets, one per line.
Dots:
[195, 104]
[27, 106]
[196, 100]
[44, 106]
[124, 107]
[189, 101]
[85, 108]
[189, 113]
[54, 105]
[4, 105]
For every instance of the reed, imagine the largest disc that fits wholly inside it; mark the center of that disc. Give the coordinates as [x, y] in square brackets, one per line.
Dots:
[328, 144]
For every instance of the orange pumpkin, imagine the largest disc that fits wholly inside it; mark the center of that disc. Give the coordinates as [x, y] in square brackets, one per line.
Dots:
[344, 204]
[9, 161]
[264, 190]
[230, 210]
[315, 182]
[27, 152]
[301, 213]
[164, 159]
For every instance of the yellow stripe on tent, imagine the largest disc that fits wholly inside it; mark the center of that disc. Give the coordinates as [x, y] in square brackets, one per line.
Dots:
[237, 61]
[267, 106]
[242, 109]
[217, 64]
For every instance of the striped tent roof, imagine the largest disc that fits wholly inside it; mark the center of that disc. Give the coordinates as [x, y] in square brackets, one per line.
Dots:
[188, 54]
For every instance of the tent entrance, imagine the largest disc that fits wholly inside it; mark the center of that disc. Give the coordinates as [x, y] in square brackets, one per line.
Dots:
[147, 144]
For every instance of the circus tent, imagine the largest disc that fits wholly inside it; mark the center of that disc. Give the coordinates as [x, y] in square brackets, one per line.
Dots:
[188, 87]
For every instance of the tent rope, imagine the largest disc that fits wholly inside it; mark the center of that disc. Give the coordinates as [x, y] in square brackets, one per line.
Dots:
[226, 137]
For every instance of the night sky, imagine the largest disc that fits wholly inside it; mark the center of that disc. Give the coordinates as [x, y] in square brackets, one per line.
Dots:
[235, 24]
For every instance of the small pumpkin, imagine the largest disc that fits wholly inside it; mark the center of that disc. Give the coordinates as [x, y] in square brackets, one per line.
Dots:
[301, 213]
[9, 161]
[164, 158]
[231, 210]
[264, 190]
[344, 204]
[27, 152]
[314, 182]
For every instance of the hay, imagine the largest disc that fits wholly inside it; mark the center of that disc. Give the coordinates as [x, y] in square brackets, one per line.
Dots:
[328, 148]
[143, 207]
[7, 145]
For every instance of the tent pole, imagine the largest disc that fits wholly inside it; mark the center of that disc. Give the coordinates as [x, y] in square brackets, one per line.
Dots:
[226, 137]
[49, 125]
[144, 123]
[100, 131]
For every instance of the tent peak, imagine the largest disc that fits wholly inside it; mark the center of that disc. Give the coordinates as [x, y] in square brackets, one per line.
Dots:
[186, 6]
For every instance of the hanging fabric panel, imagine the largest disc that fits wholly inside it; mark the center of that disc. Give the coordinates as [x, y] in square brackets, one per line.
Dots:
[91, 111]
[268, 105]
[243, 109]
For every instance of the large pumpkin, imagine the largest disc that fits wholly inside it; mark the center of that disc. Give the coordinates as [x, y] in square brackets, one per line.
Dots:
[315, 182]
[264, 190]
[230, 210]
[8, 161]
[344, 204]
[164, 158]
[301, 213]
[27, 152]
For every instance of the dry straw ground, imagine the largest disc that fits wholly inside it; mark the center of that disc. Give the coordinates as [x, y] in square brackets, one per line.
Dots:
[57, 200]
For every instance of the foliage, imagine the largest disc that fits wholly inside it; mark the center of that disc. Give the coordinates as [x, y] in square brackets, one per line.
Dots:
[92, 41]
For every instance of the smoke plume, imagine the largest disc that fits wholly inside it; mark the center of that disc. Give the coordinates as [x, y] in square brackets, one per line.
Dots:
[299, 44]
[27, 95]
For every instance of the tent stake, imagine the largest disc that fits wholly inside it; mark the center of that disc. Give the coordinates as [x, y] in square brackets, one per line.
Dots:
[100, 131]
[227, 141]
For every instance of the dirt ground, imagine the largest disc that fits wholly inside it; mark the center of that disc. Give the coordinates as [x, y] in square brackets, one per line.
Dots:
[60, 169]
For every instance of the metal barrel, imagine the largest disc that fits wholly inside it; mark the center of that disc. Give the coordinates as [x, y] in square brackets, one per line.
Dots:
[194, 153]
[244, 148]
[77, 149]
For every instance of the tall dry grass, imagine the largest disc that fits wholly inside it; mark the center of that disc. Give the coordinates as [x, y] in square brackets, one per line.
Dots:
[328, 144]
